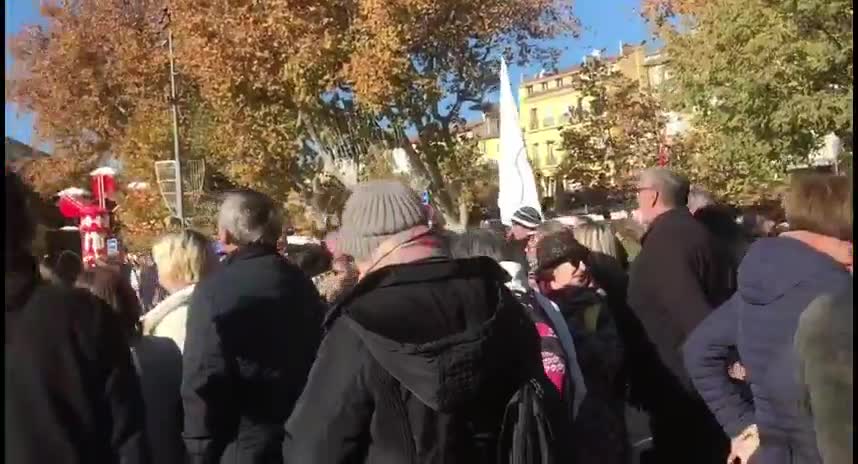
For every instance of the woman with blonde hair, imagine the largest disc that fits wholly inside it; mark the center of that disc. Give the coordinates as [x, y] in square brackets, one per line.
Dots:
[182, 259]
[608, 258]
[778, 279]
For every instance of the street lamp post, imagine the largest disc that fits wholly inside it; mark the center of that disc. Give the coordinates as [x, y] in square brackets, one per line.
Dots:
[180, 213]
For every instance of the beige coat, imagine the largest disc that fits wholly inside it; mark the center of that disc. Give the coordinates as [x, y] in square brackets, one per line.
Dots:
[168, 318]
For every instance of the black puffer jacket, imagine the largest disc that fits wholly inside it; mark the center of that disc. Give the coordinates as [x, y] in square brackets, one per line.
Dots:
[72, 396]
[418, 366]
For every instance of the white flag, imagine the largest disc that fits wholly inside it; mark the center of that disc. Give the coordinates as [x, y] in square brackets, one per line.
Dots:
[517, 186]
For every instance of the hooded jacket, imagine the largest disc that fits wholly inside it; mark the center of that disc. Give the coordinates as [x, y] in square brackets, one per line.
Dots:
[169, 317]
[778, 279]
[417, 366]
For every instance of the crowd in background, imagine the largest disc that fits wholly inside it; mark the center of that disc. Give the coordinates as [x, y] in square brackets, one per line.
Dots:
[395, 341]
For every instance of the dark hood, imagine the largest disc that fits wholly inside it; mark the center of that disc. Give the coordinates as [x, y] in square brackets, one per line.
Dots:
[773, 266]
[447, 373]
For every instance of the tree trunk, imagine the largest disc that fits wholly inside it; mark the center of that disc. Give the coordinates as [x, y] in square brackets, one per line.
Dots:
[438, 188]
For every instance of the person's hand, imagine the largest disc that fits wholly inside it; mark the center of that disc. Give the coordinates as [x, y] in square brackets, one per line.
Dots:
[736, 371]
[744, 445]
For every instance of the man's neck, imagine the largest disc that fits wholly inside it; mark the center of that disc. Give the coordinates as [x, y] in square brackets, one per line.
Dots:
[658, 212]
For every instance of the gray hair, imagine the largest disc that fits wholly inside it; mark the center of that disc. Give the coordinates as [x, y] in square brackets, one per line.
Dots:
[598, 238]
[672, 187]
[699, 198]
[550, 227]
[250, 217]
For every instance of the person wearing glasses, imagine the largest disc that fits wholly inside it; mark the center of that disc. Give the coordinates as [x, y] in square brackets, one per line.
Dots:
[681, 274]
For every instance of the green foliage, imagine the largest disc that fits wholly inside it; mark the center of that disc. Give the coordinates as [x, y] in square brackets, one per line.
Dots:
[766, 81]
[617, 134]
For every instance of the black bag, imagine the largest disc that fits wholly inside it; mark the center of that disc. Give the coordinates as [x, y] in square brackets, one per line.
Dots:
[534, 430]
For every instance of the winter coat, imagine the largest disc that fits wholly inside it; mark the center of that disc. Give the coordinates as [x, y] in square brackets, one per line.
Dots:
[720, 221]
[159, 366]
[824, 345]
[169, 317]
[418, 365]
[679, 277]
[600, 427]
[72, 396]
[778, 279]
[252, 332]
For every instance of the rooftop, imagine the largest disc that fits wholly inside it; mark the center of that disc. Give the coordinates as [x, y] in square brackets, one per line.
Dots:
[549, 75]
[17, 152]
[652, 56]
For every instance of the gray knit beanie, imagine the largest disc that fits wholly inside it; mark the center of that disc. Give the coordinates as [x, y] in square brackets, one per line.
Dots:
[374, 212]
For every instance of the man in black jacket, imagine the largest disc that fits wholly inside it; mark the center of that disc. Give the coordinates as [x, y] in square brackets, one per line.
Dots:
[71, 392]
[679, 277]
[252, 333]
[421, 357]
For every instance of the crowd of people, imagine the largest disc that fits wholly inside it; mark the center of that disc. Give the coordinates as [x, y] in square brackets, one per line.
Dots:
[395, 341]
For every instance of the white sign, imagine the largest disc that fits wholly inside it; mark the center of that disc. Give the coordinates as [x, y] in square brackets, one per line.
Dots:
[112, 247]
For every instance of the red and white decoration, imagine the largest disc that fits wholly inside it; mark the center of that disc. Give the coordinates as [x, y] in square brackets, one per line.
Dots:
[91, 211]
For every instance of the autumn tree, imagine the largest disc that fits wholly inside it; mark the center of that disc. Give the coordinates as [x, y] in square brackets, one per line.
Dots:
[764, 80]
[414, 64]
[617, 131]
[661, 12]
[256, 79]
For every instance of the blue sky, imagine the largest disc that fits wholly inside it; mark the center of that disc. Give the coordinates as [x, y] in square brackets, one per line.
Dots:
[605, 24]
[18, 13]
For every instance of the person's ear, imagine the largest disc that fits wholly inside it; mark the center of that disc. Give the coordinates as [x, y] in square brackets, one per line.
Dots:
[656, 196]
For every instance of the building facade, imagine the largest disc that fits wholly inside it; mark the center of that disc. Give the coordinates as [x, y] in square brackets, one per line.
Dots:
[549, 102]
[485, 132]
